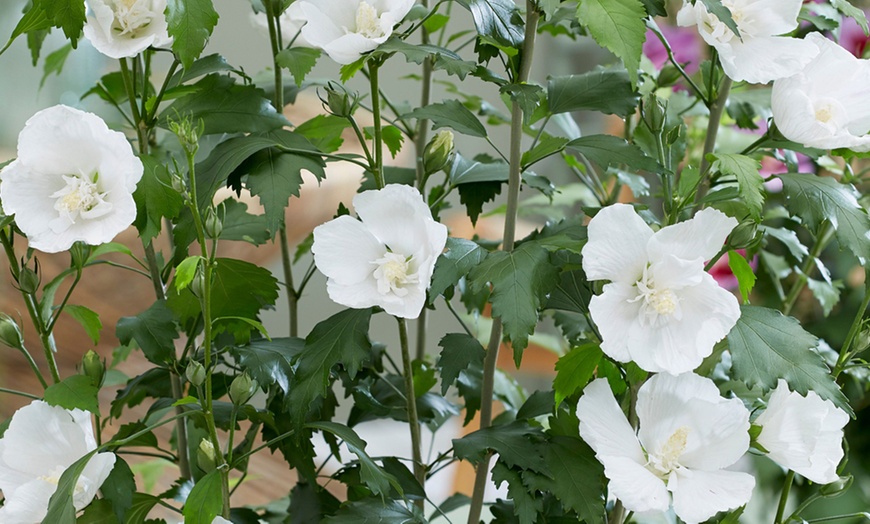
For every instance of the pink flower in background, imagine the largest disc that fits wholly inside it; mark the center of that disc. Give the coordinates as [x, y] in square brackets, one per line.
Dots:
[722, 274]
[684, 42]
[852, 37]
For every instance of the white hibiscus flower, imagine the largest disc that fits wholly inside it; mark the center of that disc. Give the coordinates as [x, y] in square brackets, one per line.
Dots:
[687, 435]
[125, 28]
[73, 180]
[803, 434]
[660, 309]
[291, 22]
[825, 105]
[41, 442]
[347, 29]
[387, 258]
[757, 56]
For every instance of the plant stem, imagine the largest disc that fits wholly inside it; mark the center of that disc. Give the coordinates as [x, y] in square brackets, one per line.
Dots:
[378, 143]
[825, 234]
[717, 107]
[19, 393]
[411, 403]
[783, 499]
[845, 351]
[514, 181]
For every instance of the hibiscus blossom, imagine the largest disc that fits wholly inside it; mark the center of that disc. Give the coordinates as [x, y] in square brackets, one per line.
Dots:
[660, 309]
[387, 258]
[756, 56]
[803, 434]
[73, 180]
[41, 442]
[825, 105]
[125, 28]
[687, 435]
[347, 29]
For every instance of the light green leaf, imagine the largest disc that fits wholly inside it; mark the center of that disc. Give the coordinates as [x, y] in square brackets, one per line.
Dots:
[743, 271]
[185, 271]
[745, 169]
[74, 392]
[549, 145]
[789, 239]
[191, 23]
[827, 293]
[574, 369]
[60, 507]
[452, 114]
[54, 63]
[88, 318]
[851, 11]
[299, 61]
[619, 26]
[34, 19]
[205, 501]
[243, 226]
[604, 89]
[766, 346]
[393, 138]
[461, 256]
[609, 150]
[442, 58]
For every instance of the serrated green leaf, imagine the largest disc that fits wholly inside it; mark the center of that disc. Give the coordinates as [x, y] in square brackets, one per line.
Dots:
[851, 11]
[243, 226]
[54, 63]
[88, 319]
[204, 502]
[299, 61]
[743, 271]
[609, 150]
[526, 504]
[765, 346]
[452, 114]
[342, 338]
[521, 281]
[154, 331]
[34, 19]
[155, 199]
[461, 256]
[496, 19]
[270, 361]
[816, 199]
[547, 146]
[459, 352]
[721, 12]
[827, 293]
[324, 132]
[574, 369]
[119, 488]
[515, 443]
[604, 89]
[578, 477]
[745, 170]
[375, 511]
[190, 24]
[74, 392]
[60, 507]
[618, 25]
[213, 63]
[185, 271]
[442, 58]
[68, 15]
[393, 138]
[789, 239]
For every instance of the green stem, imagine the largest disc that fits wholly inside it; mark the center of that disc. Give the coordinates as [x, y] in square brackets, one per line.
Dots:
[845, 351]
[123, 442]
[411, 403]
[19, 393]
[717, 108]
[783, 499]
[676, 64]
[378, 143]
[825, 234]
[265, 445]
[514, 181]
[419, 145]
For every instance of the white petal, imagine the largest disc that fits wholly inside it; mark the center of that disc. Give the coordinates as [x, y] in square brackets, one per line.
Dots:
[698, 495]
[345, 250]
[701, 237]
[28, 503]
[764, 59]
[92, 478]
[603, 425]
[616, 249]
[773, 17]
[399, 218]
[615, 316]
[637, 488]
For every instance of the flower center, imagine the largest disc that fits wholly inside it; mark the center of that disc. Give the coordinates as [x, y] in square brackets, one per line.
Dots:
[80, 196]
[393, 273]
[668, 456]
[131, 16]
[721, 32]
[657, 303]
[367, 21]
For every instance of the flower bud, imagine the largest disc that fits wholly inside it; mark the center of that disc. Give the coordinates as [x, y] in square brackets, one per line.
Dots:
[195, 373]
[339, 101]
[28, 280]
[745, 235]
[213, 224]
[438, 152]
[178, 184]
[668, 76]
[206, 456]
[197, 285]
[9, 332]
[94, 368]
[655, 112]
[242, 389]
[188, 133]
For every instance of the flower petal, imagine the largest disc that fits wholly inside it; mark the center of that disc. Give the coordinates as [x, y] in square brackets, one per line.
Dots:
[761, 60]
[399, 218]
[615, 315]
[603, 425]
[616, 249]
[698, 495]
[638, 488]
[345, 250]
[701, 237]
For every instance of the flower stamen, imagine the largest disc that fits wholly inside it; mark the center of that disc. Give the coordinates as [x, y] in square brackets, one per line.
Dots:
[393, 273]
[368, 22]
[668, 456]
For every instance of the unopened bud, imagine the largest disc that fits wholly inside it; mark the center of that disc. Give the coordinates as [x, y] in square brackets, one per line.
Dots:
[197, 285]
[28, 280]
[438, 152]
[195, 373]
[213, 224]
[9, 332]
[242, 389]
[206, 456]
[94, 368]
[668, 76]
[339, 101]
[655, 111]
[745, 235]
[188, 133]
[178, 184]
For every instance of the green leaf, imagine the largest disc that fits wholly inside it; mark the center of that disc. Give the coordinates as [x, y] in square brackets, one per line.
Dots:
[549, 145]
[74, 392]
[816, 199]
[452, 114]
[243, 226]
[827, 293]
[743, 271]
[721, 12]
[745, 169]
[154, 331]
[54, 63]
[191, 23]
[205, 501]
[514, 442]
[618, 25]
[155, 199]
[375, 511]
[374, 477]
[60, 507]
[607, 90]
[393, 138]
[497, 19]
[324, 132]
[574, 369]
[270, 361]
[213, 63]
[224, 107]
[461, 256]
[89, 320]
[442, 58]
[572, 294]
[299, 61]
[185, 271]
[99, 511]
[789, 239]
[527, 505]
[119, 488]
[342, 338]
[466, 171]
[310, 503]
[459, 352]
[68, 15]
[609, 150]
[142, 506]
[851, 11]
[521, 281]
[766, 346]
[578, 477]
[33, 20]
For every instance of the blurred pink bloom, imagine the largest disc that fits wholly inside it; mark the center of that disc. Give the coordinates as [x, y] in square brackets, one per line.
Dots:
[721, 271]
[685, 44]
[852, 37]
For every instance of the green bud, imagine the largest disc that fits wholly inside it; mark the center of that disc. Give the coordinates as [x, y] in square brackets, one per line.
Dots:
[195, 373]
[79, 254]
[94, 368]
[28, 279]
[213, 224]
[197, 285]
[206, 456]
[242, 389]
[339, 101]
[188, 133]
[438, 152]
[178, 184]
[836, 488]
[655, 112]
[745, 235]
[9, 332]
[668, 76]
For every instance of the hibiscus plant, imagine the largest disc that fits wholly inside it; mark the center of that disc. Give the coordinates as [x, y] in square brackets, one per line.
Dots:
[697, 269]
